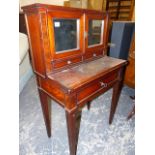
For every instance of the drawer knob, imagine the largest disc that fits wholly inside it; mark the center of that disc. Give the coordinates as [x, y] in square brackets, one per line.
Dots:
[69, 62]
[103, 84]
[94, 54]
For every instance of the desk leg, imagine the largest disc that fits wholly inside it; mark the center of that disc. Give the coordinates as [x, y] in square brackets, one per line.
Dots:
[88, 105]
[115, 97]
[131, 113]
[46, 109]
[73, 125]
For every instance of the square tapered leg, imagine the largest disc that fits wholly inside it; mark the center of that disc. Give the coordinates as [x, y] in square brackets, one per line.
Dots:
[46, 109]
[115, 97]
[73, 125]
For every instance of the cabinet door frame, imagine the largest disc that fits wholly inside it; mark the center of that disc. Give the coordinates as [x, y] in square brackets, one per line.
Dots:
[66, 15]
[96, 47]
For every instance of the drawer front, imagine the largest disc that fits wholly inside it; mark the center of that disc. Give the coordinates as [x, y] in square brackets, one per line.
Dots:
[96, 86]
[93, 55]
[66, 62]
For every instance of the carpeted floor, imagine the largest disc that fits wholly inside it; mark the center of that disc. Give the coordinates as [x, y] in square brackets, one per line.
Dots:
[96, 136]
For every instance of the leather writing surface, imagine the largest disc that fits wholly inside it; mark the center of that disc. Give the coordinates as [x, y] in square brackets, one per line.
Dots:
[76, 76]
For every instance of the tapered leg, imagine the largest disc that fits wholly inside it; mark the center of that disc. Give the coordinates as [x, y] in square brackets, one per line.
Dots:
[116, 93]
[46, 109]
[78, 121]
[88, 105]
[131, 113]
[73, 125]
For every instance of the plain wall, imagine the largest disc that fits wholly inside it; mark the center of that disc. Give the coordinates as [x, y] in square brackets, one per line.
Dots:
[54, 2]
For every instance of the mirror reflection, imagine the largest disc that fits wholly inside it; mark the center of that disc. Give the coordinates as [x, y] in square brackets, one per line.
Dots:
[66, 37]
[94, 32]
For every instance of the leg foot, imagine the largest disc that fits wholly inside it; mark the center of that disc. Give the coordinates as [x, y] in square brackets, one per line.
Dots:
[131, 113]
[88, 105]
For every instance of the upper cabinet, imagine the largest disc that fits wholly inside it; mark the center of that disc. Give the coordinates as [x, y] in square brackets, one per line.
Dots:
[61, 37]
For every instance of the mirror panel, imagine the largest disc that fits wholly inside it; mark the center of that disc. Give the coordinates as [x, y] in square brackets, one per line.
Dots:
[66, 34]
[95, 30]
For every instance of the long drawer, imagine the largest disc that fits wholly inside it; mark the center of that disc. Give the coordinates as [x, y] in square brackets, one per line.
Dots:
[96, 86]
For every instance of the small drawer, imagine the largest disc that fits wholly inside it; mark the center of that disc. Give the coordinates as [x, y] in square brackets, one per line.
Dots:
[66, 62]
[96, 86]
[93, 55]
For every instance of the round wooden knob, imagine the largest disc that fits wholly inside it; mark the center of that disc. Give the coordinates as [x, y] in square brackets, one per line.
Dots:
[69, 62]
[94, 54]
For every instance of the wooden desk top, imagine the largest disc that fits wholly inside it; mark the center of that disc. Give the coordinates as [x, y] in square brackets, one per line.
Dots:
[77, 76]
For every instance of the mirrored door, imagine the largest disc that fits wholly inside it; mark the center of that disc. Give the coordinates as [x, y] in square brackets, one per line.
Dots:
[95, 35]
[66, 32]
[95, 32]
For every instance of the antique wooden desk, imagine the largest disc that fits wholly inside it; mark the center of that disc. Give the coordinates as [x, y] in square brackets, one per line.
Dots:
[68, 51]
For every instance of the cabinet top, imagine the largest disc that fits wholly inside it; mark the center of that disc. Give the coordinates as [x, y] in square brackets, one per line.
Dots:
[36, 6]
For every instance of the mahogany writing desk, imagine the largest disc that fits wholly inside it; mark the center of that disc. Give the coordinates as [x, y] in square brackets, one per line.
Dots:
[68, 50]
